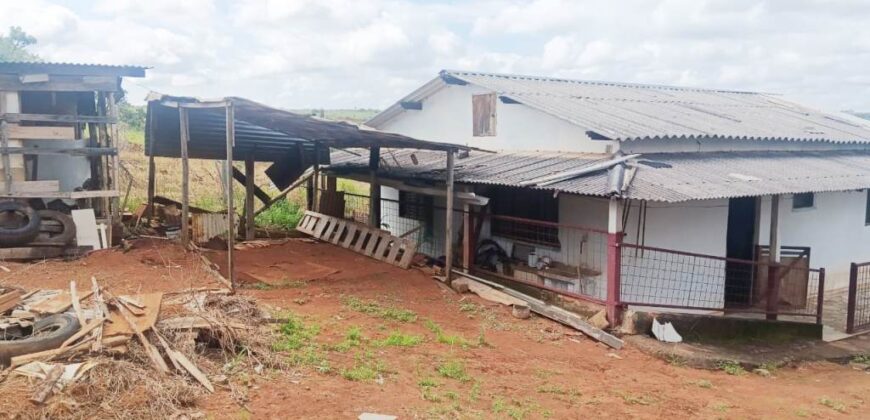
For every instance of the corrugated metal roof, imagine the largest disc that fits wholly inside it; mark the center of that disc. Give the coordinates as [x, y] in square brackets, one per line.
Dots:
[670, 177]
[267, 134]
[625, 111]
[78, 69]
[690, 176]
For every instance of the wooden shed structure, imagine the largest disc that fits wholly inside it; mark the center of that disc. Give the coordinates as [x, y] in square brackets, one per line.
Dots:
[58, 138]
[235, 128]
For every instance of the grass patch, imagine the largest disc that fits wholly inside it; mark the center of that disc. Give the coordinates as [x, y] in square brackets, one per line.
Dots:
[364, 369]
[451, 339]
[284, 284]
[676, 360]
[468, 307]
[371, 307]
[731, 367]
[353, 338]
[833, 404]
[516, 410]
[399, 339]
[284, 214]
[634, 399]
[557, 390]
[703, 383]
[297, 339]
[722, 407]
[862, 358]
[453, 369]
[295, 334]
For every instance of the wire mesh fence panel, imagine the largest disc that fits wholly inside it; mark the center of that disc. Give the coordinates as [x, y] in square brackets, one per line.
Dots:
[858, 317]
[674, 279]
[562, 258]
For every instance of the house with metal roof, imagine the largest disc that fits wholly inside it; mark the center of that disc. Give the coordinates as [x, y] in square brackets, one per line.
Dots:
[701, 195]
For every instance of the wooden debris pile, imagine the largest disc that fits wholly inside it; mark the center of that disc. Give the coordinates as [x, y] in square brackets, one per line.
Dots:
[106, 328]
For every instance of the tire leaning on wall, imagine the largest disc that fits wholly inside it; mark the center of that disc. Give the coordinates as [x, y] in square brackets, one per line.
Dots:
[18, 233]
[68, 228]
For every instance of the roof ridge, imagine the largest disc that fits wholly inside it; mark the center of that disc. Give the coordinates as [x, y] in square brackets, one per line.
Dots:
[460, 73]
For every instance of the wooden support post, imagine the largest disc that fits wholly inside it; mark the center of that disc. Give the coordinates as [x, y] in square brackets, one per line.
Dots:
[315, 177]
[448, 221]
[774, 258]
[103, 161]
[184, 138]
[116, 161]
[231, 212]
[249, 199]
[7, 165]
[614, 264]
[152, 173]
[374, 188]
[467, 238]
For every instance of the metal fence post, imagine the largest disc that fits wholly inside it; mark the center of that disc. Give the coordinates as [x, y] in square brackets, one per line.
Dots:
[614, 263]
[853, 298]
[820, 305]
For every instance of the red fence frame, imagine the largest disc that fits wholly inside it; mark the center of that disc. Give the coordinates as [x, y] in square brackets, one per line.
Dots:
[853, 325]
[772, 300]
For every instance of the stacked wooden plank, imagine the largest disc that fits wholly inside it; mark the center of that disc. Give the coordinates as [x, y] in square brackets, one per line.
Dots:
[371, 242]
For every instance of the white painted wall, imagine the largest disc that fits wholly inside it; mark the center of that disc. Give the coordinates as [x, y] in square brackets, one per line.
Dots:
[70, 170]
[447, 117]
[834, 230]
[697, 227]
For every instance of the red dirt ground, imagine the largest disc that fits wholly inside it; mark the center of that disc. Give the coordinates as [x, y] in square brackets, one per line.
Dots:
[527, 369]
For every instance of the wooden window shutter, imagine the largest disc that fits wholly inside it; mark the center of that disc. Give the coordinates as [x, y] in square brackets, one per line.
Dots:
[483, 110]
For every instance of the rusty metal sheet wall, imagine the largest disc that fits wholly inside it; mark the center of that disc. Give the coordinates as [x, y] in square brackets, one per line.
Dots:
[205, 226]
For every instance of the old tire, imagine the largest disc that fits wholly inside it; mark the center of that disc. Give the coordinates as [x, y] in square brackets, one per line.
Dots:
[67, 228]
[23, 232]
[48, 333]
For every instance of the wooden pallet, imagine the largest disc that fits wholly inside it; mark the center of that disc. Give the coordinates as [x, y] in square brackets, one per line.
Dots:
[360, 238]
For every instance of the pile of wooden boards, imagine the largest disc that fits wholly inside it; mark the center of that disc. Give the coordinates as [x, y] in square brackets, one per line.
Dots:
[107, 323]
[371, 242]
[497, 293]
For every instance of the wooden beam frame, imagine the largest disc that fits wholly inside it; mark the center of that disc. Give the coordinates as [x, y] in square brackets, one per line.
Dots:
[249, 199]
[448, 220]
[184, 139]
[231, 212]
[773, 280]
[374, 188]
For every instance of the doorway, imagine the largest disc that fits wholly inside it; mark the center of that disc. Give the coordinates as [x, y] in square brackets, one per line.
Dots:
[740, 244]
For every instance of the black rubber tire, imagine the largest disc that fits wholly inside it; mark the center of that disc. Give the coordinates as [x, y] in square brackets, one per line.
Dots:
[48, 333]
[20, 235]
[67, 232]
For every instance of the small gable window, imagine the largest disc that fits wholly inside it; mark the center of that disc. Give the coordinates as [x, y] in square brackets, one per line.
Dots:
[483, 114]
[803, 201]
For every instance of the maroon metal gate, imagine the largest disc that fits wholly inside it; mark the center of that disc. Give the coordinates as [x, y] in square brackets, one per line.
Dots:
[858, 317]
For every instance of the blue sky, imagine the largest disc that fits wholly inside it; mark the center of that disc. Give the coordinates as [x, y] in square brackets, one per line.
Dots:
[368, 53]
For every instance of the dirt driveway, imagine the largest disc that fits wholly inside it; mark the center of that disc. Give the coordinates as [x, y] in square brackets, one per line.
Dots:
[370, 337]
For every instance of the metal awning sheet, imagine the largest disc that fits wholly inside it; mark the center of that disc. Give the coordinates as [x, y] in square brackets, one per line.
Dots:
[668, 177]
[265, 133]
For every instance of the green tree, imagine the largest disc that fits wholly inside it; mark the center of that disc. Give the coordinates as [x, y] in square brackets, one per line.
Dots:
[13, 46]
[133, 116]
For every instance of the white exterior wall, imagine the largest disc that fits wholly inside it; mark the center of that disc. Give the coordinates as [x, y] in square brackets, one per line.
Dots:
[834, 230]
[695, 226]
[447, 117]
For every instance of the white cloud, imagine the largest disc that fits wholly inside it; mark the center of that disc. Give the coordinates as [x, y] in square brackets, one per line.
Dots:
[368, 53]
